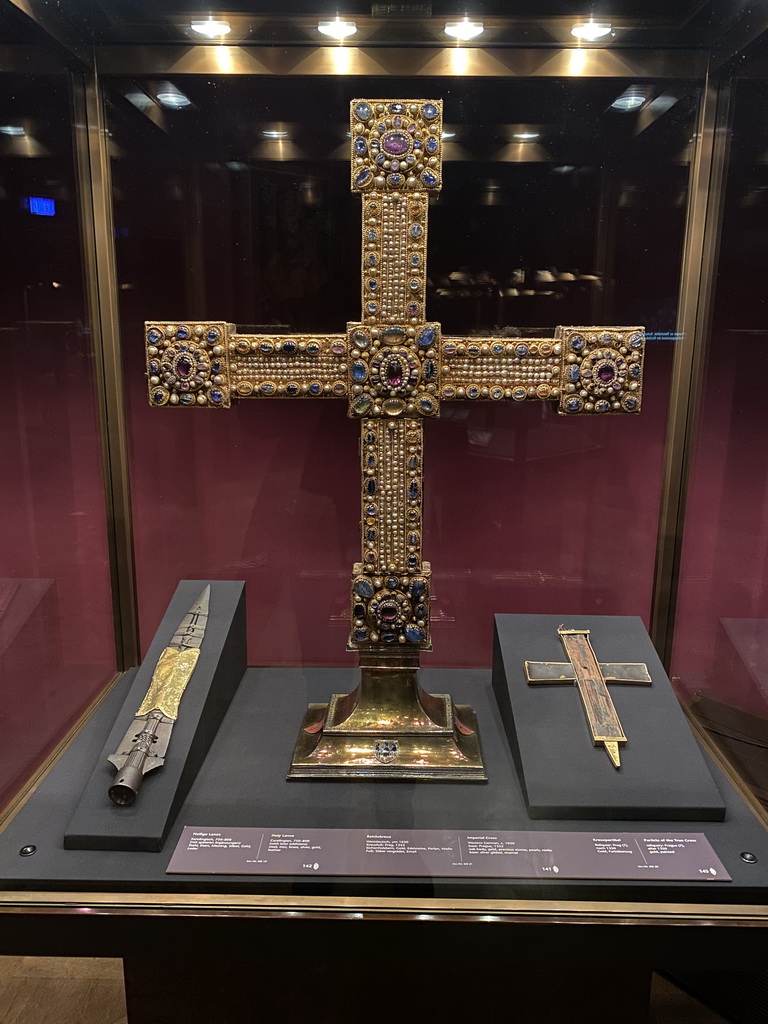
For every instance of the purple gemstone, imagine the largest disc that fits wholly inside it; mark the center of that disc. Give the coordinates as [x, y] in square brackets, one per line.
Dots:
[396, 143]
[413, 309]
[388, 613]
[411, 128]
[606, 373]
[398, 122]
[183, 367]
[395, 165]
[395, 373]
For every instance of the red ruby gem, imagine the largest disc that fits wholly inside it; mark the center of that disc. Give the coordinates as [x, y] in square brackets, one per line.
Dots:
[183, 367]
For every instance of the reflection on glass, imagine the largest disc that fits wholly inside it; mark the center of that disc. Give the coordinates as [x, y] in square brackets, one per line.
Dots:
[56, 633]
[525, 511]
[720, 657]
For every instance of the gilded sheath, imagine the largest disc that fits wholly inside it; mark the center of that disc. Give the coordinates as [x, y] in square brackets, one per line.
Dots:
[145, 743]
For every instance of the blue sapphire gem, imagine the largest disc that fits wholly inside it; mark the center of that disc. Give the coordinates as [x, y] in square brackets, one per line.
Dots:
[216, 395]
[429, 110]
[370, 437]
[370, 487]
[426, 405]
[521, 350]
[430, 370]
[371, 510]
[416, 230]
[364, 588]
[154, 367]
[392, 582]
[373, 284]
[371, 236]
[630, 402]
[417, 143]
[427, 337]
[382, 126]
[634, 370]
[292, 389]
[315, 387]
[421, 611]
[389, 638]
[216, 366]
[497, 349]
[267, 388]
[413, 538]
[397, 108]
[381, 158]
[212, 335]
[370, 461]
[158, 396]
[413, 490]
[358, 611]
[360, 147]
[413, 463]
[413, 561]
[266, 347]
[415, 260]
[573, 405]
[360, 636]
[605, 338]
[372, 259]
[577, 342]
[363, 177]
[289, 347]
[363, 112]
[602, 406]
[432, 144]
[417, 588]
[182, 333]
[182, 348]
[429, 179]
[573, 373]
[187, 399]
[473, 392]
[395, 180]
[414, 634]
[636, 340]
[371, 307]
[370, 533]
[312, 348]
[154, 335]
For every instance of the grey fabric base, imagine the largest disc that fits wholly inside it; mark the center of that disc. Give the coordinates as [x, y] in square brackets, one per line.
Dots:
[242, 782]
[663, 775]
[97, 823]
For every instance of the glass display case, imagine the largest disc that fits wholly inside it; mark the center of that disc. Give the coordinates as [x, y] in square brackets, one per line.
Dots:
[176, 193]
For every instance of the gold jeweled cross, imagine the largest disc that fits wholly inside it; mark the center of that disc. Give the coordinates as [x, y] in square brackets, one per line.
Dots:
[394, 369]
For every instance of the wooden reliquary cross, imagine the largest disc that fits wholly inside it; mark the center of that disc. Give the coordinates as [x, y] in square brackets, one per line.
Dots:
[394, 369]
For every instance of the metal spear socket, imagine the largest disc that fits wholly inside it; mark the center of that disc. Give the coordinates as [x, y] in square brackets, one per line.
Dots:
[144, 745]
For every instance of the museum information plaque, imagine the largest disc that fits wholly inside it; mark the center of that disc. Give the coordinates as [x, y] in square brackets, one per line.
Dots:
[658, 856]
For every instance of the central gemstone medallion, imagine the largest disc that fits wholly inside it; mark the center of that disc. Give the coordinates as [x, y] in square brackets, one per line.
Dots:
[396, 143]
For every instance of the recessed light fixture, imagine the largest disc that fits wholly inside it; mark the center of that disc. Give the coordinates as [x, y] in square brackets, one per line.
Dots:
[212, 28]
[631, 99]
[449, 135]
[172, 98]
[337, 29]
[273, 133]
[526, 136]
[465, 29]
[591, 30]
[11, 129]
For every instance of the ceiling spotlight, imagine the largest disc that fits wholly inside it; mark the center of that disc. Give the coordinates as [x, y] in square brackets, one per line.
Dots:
[211, 29]
[631, 99]
[449, 135]
[172, 98]
[11, 129]
[526, 136]
[337, 29]
[271, 133]
[465, 29]
[591, 30]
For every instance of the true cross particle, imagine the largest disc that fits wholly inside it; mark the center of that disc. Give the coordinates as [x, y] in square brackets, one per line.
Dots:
[394, 369]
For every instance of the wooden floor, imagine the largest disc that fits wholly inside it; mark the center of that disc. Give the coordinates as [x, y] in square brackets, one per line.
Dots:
[49, 990]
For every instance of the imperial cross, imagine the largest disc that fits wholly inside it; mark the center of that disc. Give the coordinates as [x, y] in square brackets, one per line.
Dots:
[394, 369]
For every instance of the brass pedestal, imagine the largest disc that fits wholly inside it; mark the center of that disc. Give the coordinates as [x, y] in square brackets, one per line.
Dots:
[389, 727]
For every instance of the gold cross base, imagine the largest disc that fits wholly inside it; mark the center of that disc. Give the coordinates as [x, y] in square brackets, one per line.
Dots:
[389, 728]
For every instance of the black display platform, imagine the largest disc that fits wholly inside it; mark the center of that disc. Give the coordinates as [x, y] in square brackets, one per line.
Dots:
[663, 775]
[99, 824]
[242, 782]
